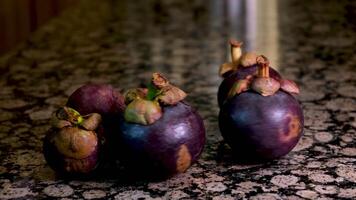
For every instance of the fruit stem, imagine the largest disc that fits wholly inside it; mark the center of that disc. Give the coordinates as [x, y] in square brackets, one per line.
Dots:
[235, 51]
[263, 69]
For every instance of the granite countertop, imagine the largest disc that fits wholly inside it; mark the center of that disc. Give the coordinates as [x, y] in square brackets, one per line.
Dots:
[123, 42]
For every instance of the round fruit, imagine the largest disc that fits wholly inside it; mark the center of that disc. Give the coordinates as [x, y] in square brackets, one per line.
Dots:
[239, 74]
[97, 98]
[105, 100]
[260, 119]
[168, 146]
[72, 146]
[161, 134]
[261, 128]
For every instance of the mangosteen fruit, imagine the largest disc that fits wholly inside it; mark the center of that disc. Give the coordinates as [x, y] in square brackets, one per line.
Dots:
[97, 98]
[261, 120]
[109, 103]
[241, 66]
[161, 134]
[72, 146]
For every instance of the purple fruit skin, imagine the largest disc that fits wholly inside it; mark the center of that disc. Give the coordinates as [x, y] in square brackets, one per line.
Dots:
[97, 98]
[102, 99]
[241, 73]
[259, 128]
[152, 150]
[58, 162]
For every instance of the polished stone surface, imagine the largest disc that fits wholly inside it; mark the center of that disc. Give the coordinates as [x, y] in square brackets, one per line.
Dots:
[123, 42]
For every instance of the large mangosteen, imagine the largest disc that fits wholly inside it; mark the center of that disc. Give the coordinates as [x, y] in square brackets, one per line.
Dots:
[261, 120]
[161, 134]
[239, 68]
[72, 145]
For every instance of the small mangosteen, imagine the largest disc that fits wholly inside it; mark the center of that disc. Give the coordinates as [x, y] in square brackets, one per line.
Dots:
[72, 145]
[261, 120]
[109, 103]
[239, 68]
[161, 134]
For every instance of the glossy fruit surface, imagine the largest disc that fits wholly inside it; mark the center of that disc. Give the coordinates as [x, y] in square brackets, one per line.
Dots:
[260, 128]
[71, 146]
[105, 100]
[241, 73]
[168, 146]
[97, 98]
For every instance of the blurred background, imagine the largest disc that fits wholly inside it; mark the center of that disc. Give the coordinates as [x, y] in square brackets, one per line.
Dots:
[49, 48]
[252, 21]
[18, 18]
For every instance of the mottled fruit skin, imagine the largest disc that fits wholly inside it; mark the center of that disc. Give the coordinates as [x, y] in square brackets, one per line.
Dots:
[71, 155]
[168, 146]
[241, 73]
[260, 128]
[102, 99]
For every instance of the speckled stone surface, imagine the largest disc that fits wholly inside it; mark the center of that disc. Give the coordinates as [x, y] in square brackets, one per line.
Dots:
[123, 42]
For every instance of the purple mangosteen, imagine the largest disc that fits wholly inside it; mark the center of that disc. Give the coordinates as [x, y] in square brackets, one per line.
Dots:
[109, 103]
[261, 120]
[72, 146]
[241, 66]
[161, 134]
[97, 98]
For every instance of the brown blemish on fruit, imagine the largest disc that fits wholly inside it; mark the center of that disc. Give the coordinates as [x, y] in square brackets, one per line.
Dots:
[293, 130]
[184, 158]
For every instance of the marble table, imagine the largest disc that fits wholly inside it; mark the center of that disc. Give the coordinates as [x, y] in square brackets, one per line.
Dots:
[123, 42]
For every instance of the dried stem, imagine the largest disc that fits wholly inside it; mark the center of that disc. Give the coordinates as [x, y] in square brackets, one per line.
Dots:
[263, 63]
[235, 51]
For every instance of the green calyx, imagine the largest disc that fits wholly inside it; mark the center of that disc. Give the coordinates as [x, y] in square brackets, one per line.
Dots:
[68, 117]
[144, 104]
[142, 108]
[143, 112]
[152, 92]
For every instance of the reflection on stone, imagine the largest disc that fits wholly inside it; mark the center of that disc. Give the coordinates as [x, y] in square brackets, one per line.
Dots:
[115, 42]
